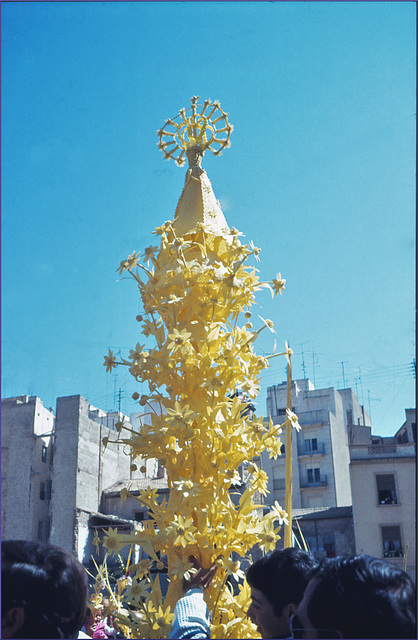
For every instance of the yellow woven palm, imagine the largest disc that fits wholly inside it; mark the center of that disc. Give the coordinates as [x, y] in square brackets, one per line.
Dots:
[197, 290]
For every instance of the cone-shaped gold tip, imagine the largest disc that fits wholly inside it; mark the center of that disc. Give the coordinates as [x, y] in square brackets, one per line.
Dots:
[191, 133]
[198, 206]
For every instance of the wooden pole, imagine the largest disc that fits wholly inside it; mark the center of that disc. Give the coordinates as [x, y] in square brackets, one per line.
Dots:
[288, 453]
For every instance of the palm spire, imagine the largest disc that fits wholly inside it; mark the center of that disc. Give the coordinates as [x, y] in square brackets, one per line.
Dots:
[191, 133]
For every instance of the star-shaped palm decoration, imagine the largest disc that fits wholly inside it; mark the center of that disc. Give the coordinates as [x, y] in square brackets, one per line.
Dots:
[202, 126]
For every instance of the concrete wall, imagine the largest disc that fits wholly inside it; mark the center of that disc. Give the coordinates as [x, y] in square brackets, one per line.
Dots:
[355, 413]
[408, 431]
[340, 452]
[65, 472]
[83, 468]
[22, 466]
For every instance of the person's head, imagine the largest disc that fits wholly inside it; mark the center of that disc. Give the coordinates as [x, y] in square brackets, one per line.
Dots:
[357, 597]
[43, 591]
[277, 583]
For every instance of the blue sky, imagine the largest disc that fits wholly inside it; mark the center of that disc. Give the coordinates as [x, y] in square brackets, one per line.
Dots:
[320, 175]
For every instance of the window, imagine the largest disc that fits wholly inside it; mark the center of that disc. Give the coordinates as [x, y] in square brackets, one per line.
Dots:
[314, 475]
[386, 491]
[42, 492]
[349, 416]
[40, 530]
[311, 445]
[329, 546]
[321, 546]
[279, 484]
[278, 480]
[139, 516]
[44, 453]
[282, 412]
[48, 489]
[391, 540]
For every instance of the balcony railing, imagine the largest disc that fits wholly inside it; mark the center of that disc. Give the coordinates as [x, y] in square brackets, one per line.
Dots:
[303, 451]
[381, 449]
[322, 482]
[395, 553]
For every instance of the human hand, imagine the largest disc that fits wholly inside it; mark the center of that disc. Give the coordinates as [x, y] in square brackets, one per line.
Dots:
[202, 577]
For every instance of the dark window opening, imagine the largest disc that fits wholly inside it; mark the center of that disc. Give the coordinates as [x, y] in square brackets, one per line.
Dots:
[311, 444]
[386, 491]
[329, 546]
[391, 539]
[314, 475]
[282, 412]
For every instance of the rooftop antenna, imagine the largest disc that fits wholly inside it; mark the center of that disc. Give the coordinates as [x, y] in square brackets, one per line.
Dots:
[361, 386]
[303, 361]
[342, 366]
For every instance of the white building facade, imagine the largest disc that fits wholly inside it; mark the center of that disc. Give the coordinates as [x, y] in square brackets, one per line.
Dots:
[320, 451]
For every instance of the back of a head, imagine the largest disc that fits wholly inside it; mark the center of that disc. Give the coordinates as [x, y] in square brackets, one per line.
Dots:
[363, 597]
[49, 583]
[282, 576]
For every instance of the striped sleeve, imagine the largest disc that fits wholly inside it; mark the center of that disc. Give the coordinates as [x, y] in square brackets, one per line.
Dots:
[191, 617]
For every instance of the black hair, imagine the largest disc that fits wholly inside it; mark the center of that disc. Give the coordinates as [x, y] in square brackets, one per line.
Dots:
[281, 576]
[49, 583]
[363, 597]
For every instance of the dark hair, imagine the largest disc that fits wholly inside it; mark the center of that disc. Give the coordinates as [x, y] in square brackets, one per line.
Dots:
[49, 583]
[281, 576]
[363, 597]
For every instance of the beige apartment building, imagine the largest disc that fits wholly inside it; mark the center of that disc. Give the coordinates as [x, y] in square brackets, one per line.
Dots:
[383, 484]
[320, 451]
